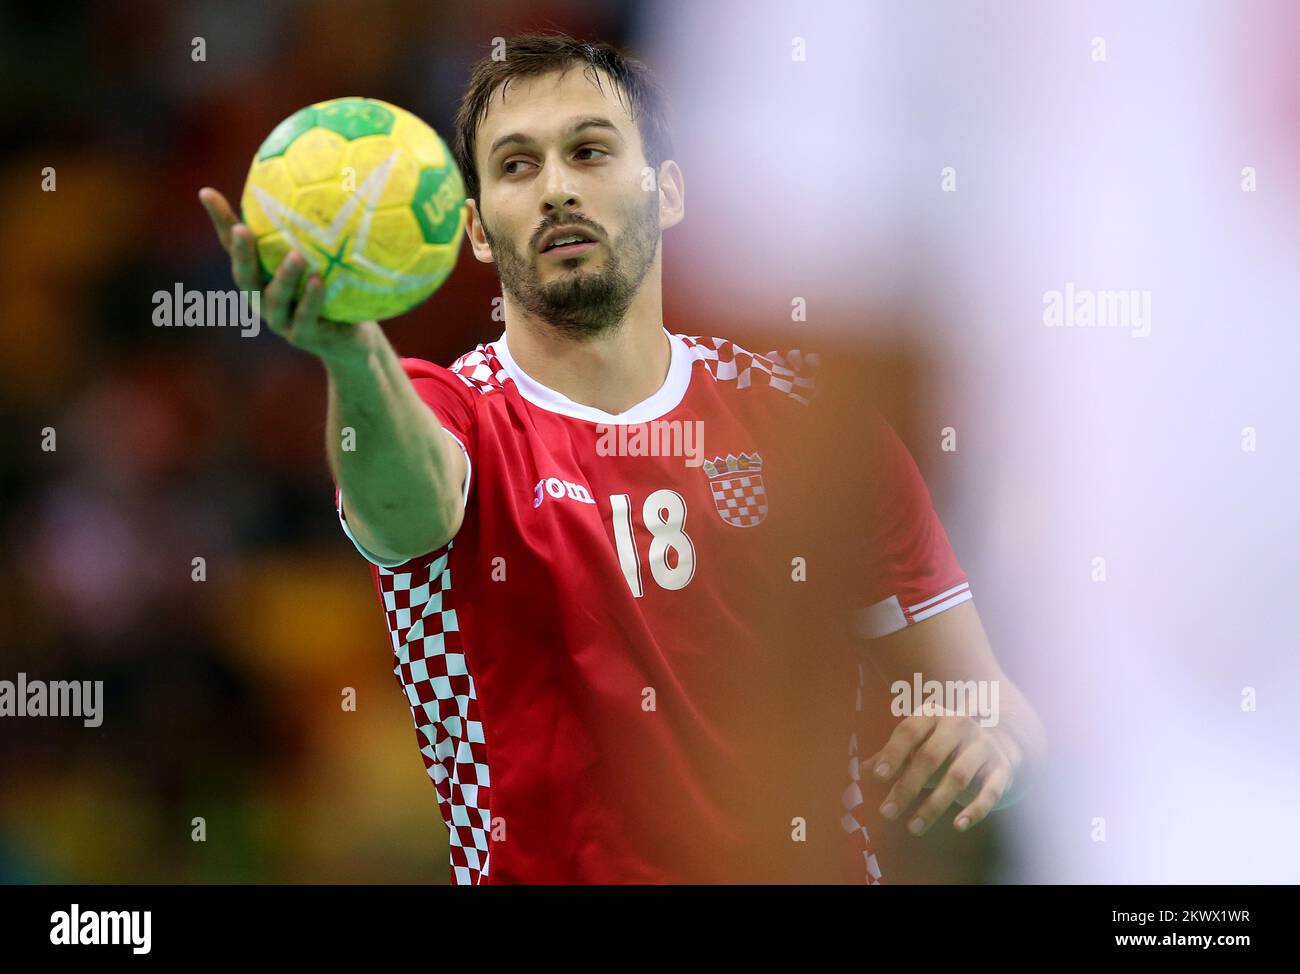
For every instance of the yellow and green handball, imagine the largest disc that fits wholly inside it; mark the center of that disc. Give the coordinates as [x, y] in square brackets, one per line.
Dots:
[369, 195]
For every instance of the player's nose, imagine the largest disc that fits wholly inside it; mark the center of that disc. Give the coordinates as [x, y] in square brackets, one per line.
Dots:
[559, 196]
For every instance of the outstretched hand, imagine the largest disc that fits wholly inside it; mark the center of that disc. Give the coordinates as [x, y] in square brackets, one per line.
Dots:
[295, 319]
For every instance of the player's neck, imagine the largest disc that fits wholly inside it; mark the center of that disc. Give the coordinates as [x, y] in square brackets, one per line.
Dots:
[611, 373]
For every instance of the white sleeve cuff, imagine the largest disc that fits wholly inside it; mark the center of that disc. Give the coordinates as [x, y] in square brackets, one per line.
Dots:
[389, 563]
[889, 615]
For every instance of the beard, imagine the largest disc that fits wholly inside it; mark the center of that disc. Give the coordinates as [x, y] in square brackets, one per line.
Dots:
[584, 304]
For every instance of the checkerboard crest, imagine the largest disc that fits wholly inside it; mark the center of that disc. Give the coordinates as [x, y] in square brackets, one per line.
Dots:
[738, 491]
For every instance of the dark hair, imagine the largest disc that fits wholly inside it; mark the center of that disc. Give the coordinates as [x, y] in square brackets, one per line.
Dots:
[537, 53]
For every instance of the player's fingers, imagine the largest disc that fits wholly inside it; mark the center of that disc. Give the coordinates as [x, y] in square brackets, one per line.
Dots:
[307, 312]
[219, 211]
[994, 788]
[910, 732]
[925, 760]
[277, 297]
[963, 770]
[244, 265]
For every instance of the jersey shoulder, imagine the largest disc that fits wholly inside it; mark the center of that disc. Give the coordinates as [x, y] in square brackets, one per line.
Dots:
[480, 369]
[456, 391]
[789, 372]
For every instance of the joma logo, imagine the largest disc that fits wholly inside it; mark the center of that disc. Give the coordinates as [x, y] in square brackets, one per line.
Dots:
[560, 489]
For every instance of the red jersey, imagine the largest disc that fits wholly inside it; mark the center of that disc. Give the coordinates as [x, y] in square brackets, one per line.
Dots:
[624, 667]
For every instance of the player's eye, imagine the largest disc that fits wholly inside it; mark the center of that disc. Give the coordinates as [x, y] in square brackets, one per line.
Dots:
[505, 166]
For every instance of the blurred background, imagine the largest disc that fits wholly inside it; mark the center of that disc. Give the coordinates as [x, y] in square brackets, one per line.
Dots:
[922, 175]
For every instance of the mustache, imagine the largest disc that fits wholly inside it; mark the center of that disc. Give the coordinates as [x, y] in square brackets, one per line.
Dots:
[546, 228]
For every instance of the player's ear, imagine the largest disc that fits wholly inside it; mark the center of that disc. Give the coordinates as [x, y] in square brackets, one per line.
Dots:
[672, 195]
[474, 230]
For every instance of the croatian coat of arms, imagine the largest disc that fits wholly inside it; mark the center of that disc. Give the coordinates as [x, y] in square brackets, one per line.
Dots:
[738, 491]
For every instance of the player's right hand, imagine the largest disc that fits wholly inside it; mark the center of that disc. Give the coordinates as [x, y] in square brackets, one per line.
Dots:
[299, 323]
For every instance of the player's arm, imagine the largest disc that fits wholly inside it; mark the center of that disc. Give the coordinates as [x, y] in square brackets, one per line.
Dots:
[402, 479]
[402, 484]
[984, 768]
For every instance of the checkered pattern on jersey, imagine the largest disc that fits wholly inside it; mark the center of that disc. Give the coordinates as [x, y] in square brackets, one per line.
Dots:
[727, 362]
[480, 369]
[741, 499]
[854, 819]
[432, 672]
